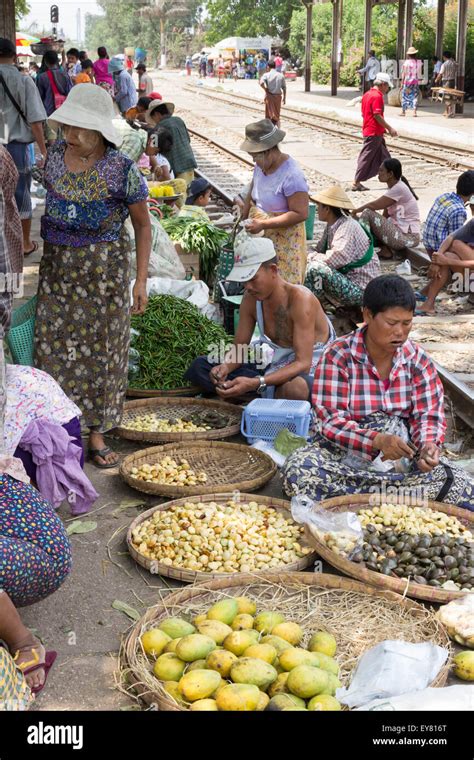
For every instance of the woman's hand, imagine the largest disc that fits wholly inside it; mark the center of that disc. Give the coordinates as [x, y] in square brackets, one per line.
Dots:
[254, 226]
[140, 298]
[393, 447]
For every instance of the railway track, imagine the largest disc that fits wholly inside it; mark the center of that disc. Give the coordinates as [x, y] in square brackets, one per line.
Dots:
[448, 338]
[458, 159]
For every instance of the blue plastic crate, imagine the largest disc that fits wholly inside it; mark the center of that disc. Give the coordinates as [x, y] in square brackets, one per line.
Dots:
[263, 418]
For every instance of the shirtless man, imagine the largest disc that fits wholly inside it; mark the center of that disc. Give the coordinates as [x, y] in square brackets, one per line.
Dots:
[291, 322]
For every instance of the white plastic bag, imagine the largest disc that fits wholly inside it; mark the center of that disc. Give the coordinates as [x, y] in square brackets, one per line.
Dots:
[458, 698]
[164, 261]
[340, 531]
[392, 668]
[267, 448]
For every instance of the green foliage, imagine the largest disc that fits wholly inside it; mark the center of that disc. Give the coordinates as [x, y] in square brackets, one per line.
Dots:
[21, 9]
[249, 18]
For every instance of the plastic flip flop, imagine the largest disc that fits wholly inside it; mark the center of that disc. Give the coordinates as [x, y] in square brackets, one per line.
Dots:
[49, 660]
[420, 296]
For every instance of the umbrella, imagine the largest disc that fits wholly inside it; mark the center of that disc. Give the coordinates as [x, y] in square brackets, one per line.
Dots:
[25, 40]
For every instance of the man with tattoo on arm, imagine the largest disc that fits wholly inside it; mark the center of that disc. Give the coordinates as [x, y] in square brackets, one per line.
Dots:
[291, 322]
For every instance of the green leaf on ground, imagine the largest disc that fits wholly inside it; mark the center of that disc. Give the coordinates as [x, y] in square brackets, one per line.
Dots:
[81, 526]
[125, 504]
[125, 608]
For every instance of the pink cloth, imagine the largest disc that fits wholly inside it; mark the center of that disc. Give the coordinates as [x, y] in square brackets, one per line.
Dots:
[101, 71]
[58, 471]
[14, 467]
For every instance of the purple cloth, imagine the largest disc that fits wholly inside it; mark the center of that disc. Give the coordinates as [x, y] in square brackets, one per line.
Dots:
[58, 469]
[73, 427]
[271, 191]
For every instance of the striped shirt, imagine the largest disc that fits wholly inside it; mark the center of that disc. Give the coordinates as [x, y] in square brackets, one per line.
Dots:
[347, 387]
[346, 241]
[448, 70]
[445, 216]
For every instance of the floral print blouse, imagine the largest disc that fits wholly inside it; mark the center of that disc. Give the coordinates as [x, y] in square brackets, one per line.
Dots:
[92, 206]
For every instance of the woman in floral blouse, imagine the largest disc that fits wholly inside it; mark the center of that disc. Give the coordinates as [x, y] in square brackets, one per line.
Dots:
[83, 314]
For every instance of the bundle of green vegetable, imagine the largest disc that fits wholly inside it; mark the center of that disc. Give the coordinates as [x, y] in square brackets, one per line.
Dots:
[198, 236]
[287, 442]
[172, 333]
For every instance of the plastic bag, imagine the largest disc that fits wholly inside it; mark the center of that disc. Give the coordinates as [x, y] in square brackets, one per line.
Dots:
[340, 531]
[133, 362]
[459, 698]
[392, 668]
[164, 261]
[396, 427]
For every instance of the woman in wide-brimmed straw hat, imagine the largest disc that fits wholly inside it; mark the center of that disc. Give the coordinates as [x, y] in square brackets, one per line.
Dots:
[83, 312]
[410, 83]
[350, 261]
[278, 199]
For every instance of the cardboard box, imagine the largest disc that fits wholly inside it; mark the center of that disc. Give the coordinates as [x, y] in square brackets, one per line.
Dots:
[190, 262]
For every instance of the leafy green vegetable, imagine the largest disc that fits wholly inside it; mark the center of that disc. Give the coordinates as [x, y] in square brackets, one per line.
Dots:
[198, 236]
[172, 333]
[81, 526]
[287, 442]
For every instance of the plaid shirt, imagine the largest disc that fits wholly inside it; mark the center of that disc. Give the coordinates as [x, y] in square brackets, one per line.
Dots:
[181, 156]
[446, 215]
[347, 387]
[346, 241]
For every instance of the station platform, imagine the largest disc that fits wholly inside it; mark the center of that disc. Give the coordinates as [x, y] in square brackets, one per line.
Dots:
[430, 125]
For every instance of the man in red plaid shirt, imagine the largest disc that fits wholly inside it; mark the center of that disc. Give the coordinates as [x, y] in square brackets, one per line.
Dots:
[378, 401]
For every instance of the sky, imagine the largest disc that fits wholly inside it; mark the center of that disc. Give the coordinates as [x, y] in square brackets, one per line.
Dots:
[67, 14]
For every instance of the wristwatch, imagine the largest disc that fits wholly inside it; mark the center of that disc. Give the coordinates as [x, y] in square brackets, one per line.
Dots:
[263, 386]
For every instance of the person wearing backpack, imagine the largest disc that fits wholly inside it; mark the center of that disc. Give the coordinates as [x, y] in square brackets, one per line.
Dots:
[53, 85]
[23, 115]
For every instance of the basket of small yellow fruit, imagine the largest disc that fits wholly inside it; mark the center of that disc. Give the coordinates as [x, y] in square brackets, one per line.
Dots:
[197, 467]
[265, 641]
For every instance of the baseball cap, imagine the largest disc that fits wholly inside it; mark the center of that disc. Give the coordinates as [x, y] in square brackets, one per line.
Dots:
[196, 187]
[383, 78]
[250, 253]
[7, 48]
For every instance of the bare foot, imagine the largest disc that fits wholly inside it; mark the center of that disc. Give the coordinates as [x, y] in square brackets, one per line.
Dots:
[385, 252]
[27, 656]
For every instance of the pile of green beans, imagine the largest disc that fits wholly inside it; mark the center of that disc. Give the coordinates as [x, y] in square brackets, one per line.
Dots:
[172, 333]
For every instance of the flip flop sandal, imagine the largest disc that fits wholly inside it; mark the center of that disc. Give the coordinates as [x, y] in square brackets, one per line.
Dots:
[27, 668]
[35, 248]
[419, 313]
[420, 296]
[360, 189]
[102, 453]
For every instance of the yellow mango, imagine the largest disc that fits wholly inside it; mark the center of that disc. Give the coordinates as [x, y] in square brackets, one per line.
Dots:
[221, 660]
[199, 619]
[333, 684]
[168, 667]
[275, 641]
[279, 686]
[225, 611]
[262, 652]
[215, 630]
[176, 628]
[263, 701]
[172, 688]
[171, 647]
[327, 663]
[199, 684]
[285, 703]
[238, 641]
[324, 642]
[202, 705]
[265, 622]
[195, 647]
[305, 681]
[291, 632]
[245, 606]
[242, 622]
[324, 702]
[154, 641]
[197, 665]
[293, 657]
[238, 697]
[249, 670]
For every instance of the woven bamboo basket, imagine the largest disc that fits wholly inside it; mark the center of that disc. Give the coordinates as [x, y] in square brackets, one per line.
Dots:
[324, 595]
[354, 503]
[173, 408]
[193, 576]
[229, 467]
[186, 390]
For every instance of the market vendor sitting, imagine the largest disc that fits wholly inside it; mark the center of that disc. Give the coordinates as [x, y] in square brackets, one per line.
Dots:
[291, 322]
[199, 196]
[379, 404]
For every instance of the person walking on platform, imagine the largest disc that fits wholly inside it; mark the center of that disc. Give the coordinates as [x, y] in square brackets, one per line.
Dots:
[274, 84]
[374, 150]
[371, 69]
[447, 77]
[411, 75]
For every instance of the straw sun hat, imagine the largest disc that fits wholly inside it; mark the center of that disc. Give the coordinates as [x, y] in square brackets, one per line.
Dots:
[412, 51]
[89, 107]
[154, 104]
[334, 196]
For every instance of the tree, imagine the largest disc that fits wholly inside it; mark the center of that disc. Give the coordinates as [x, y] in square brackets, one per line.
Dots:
[164, 11]
[250, 18]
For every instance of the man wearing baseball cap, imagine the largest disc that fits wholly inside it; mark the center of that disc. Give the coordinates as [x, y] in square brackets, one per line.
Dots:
[291, 323]
[374, 151]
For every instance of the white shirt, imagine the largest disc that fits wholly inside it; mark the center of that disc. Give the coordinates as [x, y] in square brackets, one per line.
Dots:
[371, 69]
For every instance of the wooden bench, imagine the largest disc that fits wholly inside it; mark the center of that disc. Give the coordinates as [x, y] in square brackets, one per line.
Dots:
[447, 94]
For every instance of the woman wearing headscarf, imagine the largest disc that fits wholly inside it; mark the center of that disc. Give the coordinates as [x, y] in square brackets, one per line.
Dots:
[411, 71]
[125, 93]
[278, 201]
[83, 315]
[350, 261]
